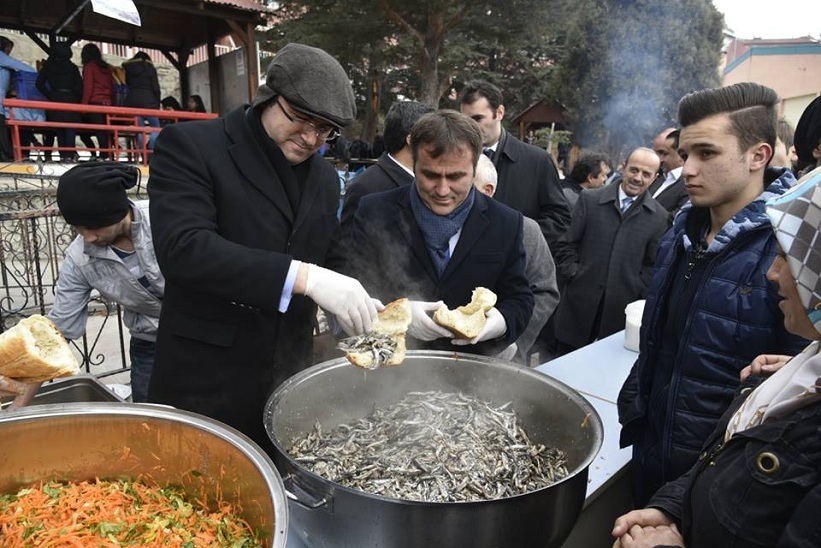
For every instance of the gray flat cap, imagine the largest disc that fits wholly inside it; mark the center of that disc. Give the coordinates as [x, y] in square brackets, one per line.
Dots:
[312, 81]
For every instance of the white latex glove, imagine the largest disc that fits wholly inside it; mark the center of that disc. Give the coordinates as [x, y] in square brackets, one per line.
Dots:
[422, 326]
[508, 353]
[495, 327]
[342, 296]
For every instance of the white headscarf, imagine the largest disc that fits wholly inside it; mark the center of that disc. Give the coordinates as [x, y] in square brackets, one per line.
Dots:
[796, 220]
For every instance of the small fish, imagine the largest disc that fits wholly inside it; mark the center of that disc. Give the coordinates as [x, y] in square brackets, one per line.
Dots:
[433, 447]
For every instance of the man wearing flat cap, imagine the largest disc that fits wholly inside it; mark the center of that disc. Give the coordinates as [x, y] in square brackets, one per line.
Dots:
[246, 233]
[113, 254]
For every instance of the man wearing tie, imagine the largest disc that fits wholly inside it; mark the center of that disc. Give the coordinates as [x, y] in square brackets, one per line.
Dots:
[528, 179]
[606, 257]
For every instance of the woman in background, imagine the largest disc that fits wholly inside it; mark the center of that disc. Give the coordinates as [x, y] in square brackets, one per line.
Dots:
[98, 89]
[195, 104]
[143, 92]
[60, 81]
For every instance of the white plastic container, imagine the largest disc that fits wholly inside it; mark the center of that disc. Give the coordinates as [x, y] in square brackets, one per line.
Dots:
[632, 324]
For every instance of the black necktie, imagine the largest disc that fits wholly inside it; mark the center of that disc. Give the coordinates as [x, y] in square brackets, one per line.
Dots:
[488, 152]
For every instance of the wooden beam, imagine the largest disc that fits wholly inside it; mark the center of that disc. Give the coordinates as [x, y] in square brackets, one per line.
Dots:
[213, 70]
[68, 19]
[36, 40]
[252, 62]
[238, 30]
[248, 38]
[209, 11]
[173, 60]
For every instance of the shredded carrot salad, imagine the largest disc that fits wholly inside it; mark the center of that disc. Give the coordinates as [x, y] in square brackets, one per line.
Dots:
[117, 513]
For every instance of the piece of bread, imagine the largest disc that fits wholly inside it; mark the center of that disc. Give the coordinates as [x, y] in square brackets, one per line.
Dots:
[34, 350]
[469, 320]
[392, 324]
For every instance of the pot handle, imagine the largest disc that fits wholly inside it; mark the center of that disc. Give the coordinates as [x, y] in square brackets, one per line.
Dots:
[298, 493]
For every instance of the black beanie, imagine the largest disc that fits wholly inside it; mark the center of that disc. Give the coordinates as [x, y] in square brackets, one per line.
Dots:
[808, 132]
[92, 195]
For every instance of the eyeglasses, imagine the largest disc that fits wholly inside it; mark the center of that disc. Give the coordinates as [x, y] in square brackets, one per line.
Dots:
[324, 132]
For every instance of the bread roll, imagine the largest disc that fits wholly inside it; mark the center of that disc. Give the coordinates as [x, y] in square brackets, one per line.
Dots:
[469, 320]
[385, 343]
[34, 350]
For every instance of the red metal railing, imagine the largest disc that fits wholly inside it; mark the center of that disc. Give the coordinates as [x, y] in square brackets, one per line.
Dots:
[119, 122]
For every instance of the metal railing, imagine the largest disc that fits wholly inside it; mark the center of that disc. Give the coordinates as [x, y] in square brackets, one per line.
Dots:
[119, 122]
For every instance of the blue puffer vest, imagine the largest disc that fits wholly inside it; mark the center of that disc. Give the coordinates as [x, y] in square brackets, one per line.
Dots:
[734, 318]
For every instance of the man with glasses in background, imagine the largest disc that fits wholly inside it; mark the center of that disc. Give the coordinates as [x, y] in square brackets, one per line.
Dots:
[245, 231]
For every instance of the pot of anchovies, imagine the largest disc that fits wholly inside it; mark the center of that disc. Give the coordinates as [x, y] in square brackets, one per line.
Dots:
[446, 450]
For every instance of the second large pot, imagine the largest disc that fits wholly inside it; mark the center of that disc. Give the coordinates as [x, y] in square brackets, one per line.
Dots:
[326, 514]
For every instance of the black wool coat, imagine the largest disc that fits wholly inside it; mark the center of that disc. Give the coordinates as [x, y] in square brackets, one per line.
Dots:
[529, 183]
[385, 174]
[224, 235]
[605, 255]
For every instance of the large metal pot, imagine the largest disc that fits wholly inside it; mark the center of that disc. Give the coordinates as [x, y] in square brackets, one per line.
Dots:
[326, 514]
[83, 441]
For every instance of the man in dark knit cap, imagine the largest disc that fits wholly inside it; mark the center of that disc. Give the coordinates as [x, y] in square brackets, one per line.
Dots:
[113, 253]
[246, 233]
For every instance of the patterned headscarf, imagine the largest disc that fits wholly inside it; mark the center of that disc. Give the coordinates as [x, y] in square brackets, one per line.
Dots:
[796, 219]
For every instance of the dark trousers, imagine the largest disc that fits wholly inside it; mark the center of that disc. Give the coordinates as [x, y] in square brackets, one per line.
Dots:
[141, 353]
[102, 136]
[6, 152]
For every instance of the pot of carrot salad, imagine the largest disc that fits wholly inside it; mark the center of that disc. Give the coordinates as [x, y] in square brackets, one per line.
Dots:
[117, 474]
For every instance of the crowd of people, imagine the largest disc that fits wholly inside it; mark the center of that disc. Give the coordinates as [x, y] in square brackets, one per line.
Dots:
[707, 223]
[97, 83]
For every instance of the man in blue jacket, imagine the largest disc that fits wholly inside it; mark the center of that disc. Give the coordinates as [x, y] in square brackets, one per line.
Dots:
[710, 309]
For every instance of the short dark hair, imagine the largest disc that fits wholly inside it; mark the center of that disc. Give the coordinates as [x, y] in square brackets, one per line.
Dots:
[674, 135]
[588, 164]
[399, 121]
[446, 130]
[476, 89]
[5, 42]
[785, 132]
[752, 110]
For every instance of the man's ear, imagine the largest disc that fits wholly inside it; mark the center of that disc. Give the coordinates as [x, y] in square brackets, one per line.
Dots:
[488, 189]
[760, 156]
[500, 112]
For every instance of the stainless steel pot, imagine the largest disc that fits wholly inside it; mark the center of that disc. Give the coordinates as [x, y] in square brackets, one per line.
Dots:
[82, 441]
[326, 514]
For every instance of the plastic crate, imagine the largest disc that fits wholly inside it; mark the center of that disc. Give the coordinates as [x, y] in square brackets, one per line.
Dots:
[26, 90]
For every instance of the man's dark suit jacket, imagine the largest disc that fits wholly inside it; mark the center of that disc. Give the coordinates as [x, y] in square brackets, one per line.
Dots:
[529, 183]
[389, 257]
[673, 197]
[385, 174]
[606, 260]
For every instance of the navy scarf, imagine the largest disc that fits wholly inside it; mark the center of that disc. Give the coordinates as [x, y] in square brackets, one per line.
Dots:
[439, 229]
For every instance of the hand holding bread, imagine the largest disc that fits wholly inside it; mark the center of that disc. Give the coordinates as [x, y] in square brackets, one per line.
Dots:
[384, 344]
[422, 327]
[477, 321]
[34, 351]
